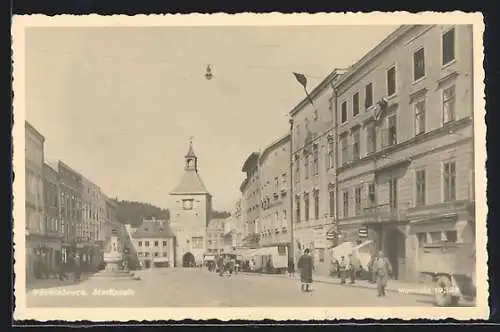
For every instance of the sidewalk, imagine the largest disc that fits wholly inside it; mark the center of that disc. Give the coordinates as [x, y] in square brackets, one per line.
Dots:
[395, 286]
[55, 282]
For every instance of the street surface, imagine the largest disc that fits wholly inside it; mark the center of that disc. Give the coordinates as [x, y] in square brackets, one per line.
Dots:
[200, 288]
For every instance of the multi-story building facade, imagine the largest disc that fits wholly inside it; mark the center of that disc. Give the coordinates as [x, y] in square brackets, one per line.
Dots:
[313, 172]
[34, 198]
[70, 199]
[274, 165]
[251, 202]
[91, 219]
[53, 231]
[405, 149]
[215, 235]
[154, 241]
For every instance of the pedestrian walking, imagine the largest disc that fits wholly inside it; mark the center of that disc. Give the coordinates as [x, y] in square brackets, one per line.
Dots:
[383, 269]
[371, 269]
[220, 265]
[291, 268]
[77, 267]
[354, 266]
[342, 269]
[306, 267]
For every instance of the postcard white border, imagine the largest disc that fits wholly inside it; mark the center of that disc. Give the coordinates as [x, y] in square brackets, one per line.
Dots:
[20, 23]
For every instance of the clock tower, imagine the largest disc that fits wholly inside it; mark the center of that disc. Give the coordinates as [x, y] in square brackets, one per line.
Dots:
[190, 213]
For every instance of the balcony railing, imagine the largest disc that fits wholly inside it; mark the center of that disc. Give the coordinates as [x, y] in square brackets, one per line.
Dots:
[387, 212]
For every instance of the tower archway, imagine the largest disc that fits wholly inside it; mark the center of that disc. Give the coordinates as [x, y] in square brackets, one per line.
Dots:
[188, 260]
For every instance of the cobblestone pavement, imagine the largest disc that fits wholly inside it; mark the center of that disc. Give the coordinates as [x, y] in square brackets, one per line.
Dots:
[199, 288]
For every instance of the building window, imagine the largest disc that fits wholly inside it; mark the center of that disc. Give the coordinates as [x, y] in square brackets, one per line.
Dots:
[321, 254]
[306, 207]
[420, 188]
[331, 203]
[164, 243]
[316, 205]
[448, 43]
[343, 115]
[371, 195]
[392, 134]
[165, 254]
[422, 239]
[331, 148]
[355, 144]
[276, 184]
[368, 95]
[418, 64]
[391, 81]
[197, 242]
[355, 104]
[357, 200]
[284, 218]
[284, 181]
[370, 139]
[146, 243]
[451, 236]
[156, 243]
[419, 107]
[449, 181]
[435, 237]
[393, 193]
[306, 165]
[297, 209]
[297, 168]
[156, 254]
[449, 104]
[345, 149]
[345, 195]
[315, 160]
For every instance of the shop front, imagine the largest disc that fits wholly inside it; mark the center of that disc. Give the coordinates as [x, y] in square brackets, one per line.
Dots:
[439, 232]
[42, 255]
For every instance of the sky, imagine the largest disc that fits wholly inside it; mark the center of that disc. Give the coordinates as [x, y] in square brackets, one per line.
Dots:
[120, 104]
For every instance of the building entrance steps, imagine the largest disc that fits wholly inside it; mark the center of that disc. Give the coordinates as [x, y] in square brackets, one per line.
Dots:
[413, 288]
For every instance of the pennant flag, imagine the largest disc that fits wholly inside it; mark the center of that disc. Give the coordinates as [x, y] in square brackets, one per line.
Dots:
[303, 81]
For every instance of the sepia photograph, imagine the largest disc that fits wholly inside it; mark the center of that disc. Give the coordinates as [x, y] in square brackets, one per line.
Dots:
[249, 166]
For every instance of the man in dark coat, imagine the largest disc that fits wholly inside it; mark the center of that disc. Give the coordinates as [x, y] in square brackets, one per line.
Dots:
[306, 267]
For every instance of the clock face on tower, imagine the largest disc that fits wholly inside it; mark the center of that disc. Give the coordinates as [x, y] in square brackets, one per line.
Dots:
[187, 204]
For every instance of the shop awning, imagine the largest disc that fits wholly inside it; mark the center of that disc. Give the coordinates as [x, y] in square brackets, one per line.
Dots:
[209, 258]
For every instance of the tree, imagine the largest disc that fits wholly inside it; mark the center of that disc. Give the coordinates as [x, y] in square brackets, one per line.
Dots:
[134, 212]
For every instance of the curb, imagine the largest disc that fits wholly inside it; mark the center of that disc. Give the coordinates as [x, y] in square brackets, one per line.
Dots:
[333, 282]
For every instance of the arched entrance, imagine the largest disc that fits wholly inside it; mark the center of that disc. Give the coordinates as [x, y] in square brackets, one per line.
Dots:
[188, 260]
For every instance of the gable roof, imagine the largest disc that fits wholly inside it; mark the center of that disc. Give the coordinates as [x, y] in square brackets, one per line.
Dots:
[191, 183]
[154, 229]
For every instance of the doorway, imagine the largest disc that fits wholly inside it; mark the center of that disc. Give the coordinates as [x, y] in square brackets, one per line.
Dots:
[188, 260]
[395, 251]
